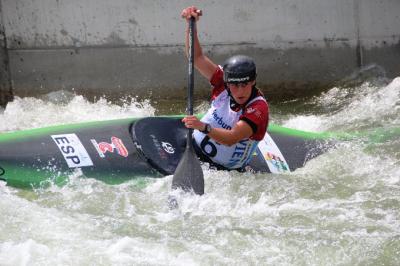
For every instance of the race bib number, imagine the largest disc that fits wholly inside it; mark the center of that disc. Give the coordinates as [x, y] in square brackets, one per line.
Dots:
[208, 147]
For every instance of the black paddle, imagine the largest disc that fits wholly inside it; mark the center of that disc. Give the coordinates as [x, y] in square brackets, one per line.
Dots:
[188, 175]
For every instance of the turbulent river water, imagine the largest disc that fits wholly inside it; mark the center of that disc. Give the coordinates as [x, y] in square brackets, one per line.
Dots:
[341, 208]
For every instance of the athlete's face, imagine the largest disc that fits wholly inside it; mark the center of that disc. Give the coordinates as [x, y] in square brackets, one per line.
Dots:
[241, 92]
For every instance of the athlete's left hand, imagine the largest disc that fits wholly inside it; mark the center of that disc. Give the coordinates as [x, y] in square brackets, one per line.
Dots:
[192, 121]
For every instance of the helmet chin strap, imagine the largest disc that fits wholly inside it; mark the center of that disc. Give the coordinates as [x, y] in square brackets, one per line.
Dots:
[233, 104]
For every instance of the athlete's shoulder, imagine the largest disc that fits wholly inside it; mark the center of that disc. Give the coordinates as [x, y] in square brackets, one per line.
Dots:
[217, 82]
[258, 110]
[217, 79]
[256, 114]
[257, 105]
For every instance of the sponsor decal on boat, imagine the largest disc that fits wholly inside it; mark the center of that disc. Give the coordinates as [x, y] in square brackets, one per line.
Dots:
[73, 151]
[280, 165]
[115, 145]
[159, 147]
[168, 147]
[272, 155]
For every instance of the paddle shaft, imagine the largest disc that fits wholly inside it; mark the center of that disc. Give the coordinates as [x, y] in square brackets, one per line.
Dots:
[190, 76]
[188, 174]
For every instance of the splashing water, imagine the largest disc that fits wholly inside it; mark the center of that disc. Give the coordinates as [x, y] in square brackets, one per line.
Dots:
[32, 112]
[342, 208]
[355, 108]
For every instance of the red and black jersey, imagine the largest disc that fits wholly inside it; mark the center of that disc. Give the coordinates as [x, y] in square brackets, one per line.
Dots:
[255, 113]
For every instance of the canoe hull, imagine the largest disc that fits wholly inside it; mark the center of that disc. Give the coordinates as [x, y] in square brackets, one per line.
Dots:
[119, 150]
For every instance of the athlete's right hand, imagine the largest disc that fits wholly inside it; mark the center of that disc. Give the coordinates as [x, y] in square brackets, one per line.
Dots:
[192, 121]
[191, 11]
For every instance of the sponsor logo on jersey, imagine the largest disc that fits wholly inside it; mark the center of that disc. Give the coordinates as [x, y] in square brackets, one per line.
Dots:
[219, 120]
[250, 110]
[115, 145]
[72, 149]
[242, 153]
[253, 110]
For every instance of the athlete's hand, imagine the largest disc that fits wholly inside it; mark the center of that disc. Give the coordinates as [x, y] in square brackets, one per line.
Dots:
[191, 11]
[193, 122]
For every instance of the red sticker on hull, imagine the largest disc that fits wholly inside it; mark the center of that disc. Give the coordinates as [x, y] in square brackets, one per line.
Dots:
[115, 145]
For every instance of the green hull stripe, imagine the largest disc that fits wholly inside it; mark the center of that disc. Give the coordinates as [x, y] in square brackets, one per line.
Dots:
[375, 136]
[37, 132]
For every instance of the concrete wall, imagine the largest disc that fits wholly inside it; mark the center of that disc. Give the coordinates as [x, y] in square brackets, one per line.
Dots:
[5, 78]
[136, 46]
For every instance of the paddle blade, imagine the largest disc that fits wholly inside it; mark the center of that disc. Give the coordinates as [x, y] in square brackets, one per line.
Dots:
[188, 174]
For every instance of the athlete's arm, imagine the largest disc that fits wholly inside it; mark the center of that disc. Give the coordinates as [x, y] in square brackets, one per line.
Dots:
[202, 63]
[228, 137]
[241, 130]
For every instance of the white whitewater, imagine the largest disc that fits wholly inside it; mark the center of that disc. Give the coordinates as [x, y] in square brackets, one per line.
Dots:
[342, 208]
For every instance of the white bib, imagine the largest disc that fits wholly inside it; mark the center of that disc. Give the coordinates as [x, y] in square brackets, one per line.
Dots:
[220, 115]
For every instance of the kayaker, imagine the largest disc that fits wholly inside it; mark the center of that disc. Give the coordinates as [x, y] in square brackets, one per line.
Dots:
[237, 120]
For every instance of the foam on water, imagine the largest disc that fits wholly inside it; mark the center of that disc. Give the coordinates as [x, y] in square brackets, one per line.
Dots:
[351, 109]
[24, 113]
[342, 208]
